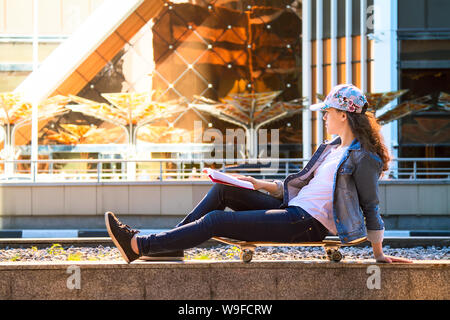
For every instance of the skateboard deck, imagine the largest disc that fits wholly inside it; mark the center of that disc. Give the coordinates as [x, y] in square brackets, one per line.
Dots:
[331, 247]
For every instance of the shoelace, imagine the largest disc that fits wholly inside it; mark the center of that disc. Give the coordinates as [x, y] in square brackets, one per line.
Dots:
[127, 227]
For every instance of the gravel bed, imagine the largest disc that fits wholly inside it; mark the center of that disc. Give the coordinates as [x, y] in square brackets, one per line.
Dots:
[106, 253]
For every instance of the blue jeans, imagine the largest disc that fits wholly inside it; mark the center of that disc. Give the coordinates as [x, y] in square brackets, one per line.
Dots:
[256, 217]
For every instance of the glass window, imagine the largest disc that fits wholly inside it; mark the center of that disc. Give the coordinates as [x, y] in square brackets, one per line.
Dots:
[425, 50]
[426, 133]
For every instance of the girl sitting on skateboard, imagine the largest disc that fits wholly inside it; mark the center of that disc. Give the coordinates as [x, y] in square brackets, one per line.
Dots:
[336, 193]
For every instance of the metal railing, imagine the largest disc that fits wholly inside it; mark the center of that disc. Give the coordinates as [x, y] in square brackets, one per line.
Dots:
[102, 170]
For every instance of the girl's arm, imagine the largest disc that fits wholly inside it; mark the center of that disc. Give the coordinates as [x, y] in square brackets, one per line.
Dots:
[380, 257]
[366, 177]
[270, 187]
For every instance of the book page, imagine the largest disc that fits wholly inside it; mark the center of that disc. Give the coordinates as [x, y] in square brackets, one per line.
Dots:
[220, 177]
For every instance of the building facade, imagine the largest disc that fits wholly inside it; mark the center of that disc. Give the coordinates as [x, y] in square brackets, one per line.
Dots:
[57, 20]
[382, 46]
[215, 48]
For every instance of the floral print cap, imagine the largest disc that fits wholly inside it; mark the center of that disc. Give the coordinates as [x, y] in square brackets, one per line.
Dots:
[344, 97]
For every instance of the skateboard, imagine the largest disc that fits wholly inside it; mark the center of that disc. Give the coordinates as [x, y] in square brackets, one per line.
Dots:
[331, 247]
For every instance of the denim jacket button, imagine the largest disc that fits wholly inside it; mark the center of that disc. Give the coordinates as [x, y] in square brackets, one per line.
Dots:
[337, 220]
[345, 238]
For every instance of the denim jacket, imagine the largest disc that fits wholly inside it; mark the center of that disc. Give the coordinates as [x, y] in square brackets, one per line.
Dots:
[355, 190]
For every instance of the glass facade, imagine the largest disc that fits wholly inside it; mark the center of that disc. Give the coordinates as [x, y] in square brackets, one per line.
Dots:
[189, 50]
[424, 69]
[218, 51]
[57, 20]
[212, 49]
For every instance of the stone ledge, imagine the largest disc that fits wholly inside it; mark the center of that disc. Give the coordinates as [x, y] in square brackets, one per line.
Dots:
[312, 279]
[393, 242]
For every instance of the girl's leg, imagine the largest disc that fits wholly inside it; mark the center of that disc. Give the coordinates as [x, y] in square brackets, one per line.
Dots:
[221, 196]
[291, 224]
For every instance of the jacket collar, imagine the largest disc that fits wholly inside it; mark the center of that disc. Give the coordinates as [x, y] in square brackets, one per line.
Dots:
[355, 145]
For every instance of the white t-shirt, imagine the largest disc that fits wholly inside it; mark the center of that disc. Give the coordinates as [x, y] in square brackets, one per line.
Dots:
[316, 197]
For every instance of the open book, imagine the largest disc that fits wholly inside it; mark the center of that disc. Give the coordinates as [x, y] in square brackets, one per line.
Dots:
[220, 177]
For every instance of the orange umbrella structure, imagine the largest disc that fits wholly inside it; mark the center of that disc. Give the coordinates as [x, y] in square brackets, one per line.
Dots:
[428, 129]
[102, 111]
[405, 109]
[444, 100]
[14, 113]
[163, 134]
[130, 111]
[85, 134]
[250, 111]
[379, 100]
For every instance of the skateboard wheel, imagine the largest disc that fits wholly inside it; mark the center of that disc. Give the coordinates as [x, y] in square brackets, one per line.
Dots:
[336, 256]
[246, 255]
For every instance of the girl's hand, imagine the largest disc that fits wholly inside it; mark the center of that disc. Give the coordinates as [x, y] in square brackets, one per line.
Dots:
[257, 184]
[391, 259]
[236, 175]
[380, 257]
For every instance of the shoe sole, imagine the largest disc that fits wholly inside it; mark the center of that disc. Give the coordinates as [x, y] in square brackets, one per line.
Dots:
[116, 243]
[145, 258]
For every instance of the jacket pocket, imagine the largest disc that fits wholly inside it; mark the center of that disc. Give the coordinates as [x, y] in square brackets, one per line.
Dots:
[346, 169]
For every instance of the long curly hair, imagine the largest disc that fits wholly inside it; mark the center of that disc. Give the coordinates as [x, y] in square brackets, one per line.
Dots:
[367, 130]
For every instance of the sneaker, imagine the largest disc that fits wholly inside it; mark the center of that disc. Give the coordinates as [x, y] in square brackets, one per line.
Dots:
[121, 234]
[177, 255]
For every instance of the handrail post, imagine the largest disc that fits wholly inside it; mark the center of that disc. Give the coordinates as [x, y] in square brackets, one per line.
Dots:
[415, 168]
[99, 165]
[286, 171]
[34, 170]
[160, 171]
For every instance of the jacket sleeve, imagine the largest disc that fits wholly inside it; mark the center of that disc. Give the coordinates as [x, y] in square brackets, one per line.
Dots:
[366, 175]
[279, 193]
